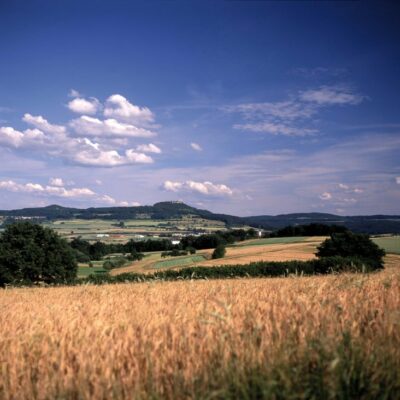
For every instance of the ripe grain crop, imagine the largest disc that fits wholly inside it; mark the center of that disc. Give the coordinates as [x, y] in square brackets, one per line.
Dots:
[315, 337]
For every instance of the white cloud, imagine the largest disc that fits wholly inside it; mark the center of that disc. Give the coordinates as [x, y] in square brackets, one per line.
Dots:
[135, 157]
[398, 180]
[287, 117]
[325, 196]
[206, 188]
[13, 138]
[47, 190]
[119, 107]
[94, 156]
[56, 182]
[349, 189]
[106, 199]
[172, 186]
[84, 106]
[54, 190]
[196, 146]
[89, 126]
[112, 146]
[148, 148]
[42, 124]
[331, 95]
[275, 129]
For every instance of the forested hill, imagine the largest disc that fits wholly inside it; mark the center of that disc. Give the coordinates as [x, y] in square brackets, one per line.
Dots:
[166, 210]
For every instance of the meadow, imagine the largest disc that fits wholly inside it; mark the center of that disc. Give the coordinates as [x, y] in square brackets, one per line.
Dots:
[327, 337]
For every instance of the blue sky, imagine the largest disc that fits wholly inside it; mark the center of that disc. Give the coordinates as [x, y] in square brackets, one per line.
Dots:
[239, 107]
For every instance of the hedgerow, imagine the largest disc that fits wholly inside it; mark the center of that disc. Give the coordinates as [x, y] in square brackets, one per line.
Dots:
[323, 266]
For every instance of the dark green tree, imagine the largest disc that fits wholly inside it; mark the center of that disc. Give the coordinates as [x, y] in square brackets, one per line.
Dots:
[30, 253]
[219, 252]
[353, 245]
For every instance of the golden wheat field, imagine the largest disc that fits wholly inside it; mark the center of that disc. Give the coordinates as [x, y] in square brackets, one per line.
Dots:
[314, 337]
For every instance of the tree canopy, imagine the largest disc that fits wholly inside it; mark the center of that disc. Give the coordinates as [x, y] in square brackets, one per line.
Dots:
[31, 253]
[355, 245]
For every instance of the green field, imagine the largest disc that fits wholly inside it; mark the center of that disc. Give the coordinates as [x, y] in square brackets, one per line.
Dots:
[86, 271]
[279, 240]
[179, 262]
[391, 244]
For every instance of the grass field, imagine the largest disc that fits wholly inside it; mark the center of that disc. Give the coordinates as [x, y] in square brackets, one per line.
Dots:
[391, 244]
[179, 261]
[331, 337]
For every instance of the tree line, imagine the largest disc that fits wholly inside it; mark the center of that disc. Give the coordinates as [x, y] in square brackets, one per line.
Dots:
[86, 251]
[31, 253]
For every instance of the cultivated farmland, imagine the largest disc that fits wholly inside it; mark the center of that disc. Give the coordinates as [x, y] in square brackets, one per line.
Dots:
[319, 337]
[274, 249]
[109, 231]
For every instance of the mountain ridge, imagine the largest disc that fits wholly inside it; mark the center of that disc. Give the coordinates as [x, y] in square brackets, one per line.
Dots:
[377, 223]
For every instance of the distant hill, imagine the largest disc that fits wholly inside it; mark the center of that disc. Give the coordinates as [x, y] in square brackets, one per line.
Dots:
[377, 224]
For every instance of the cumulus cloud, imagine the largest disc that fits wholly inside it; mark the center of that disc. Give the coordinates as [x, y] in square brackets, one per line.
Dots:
[331, 95]
[48, 189]
[14, 138]
[343, 186]
[119, 107]
[84, 106]
[41, 123]
[206, 188]
[56, 182]
[196, 146]
[106, 199]
[93, 156]
[55, 189]
[112, 145]
[325, 196]
[148, 148]
[89, 126]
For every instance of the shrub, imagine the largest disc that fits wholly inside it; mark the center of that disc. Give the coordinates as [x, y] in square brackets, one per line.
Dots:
[115, 262]
[353, 245]
[135, 256]
[174, 253]
[219, 252]
[30, 253]
[191, 250]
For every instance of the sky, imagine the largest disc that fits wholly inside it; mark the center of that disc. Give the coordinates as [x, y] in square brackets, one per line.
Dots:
[241, 107]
